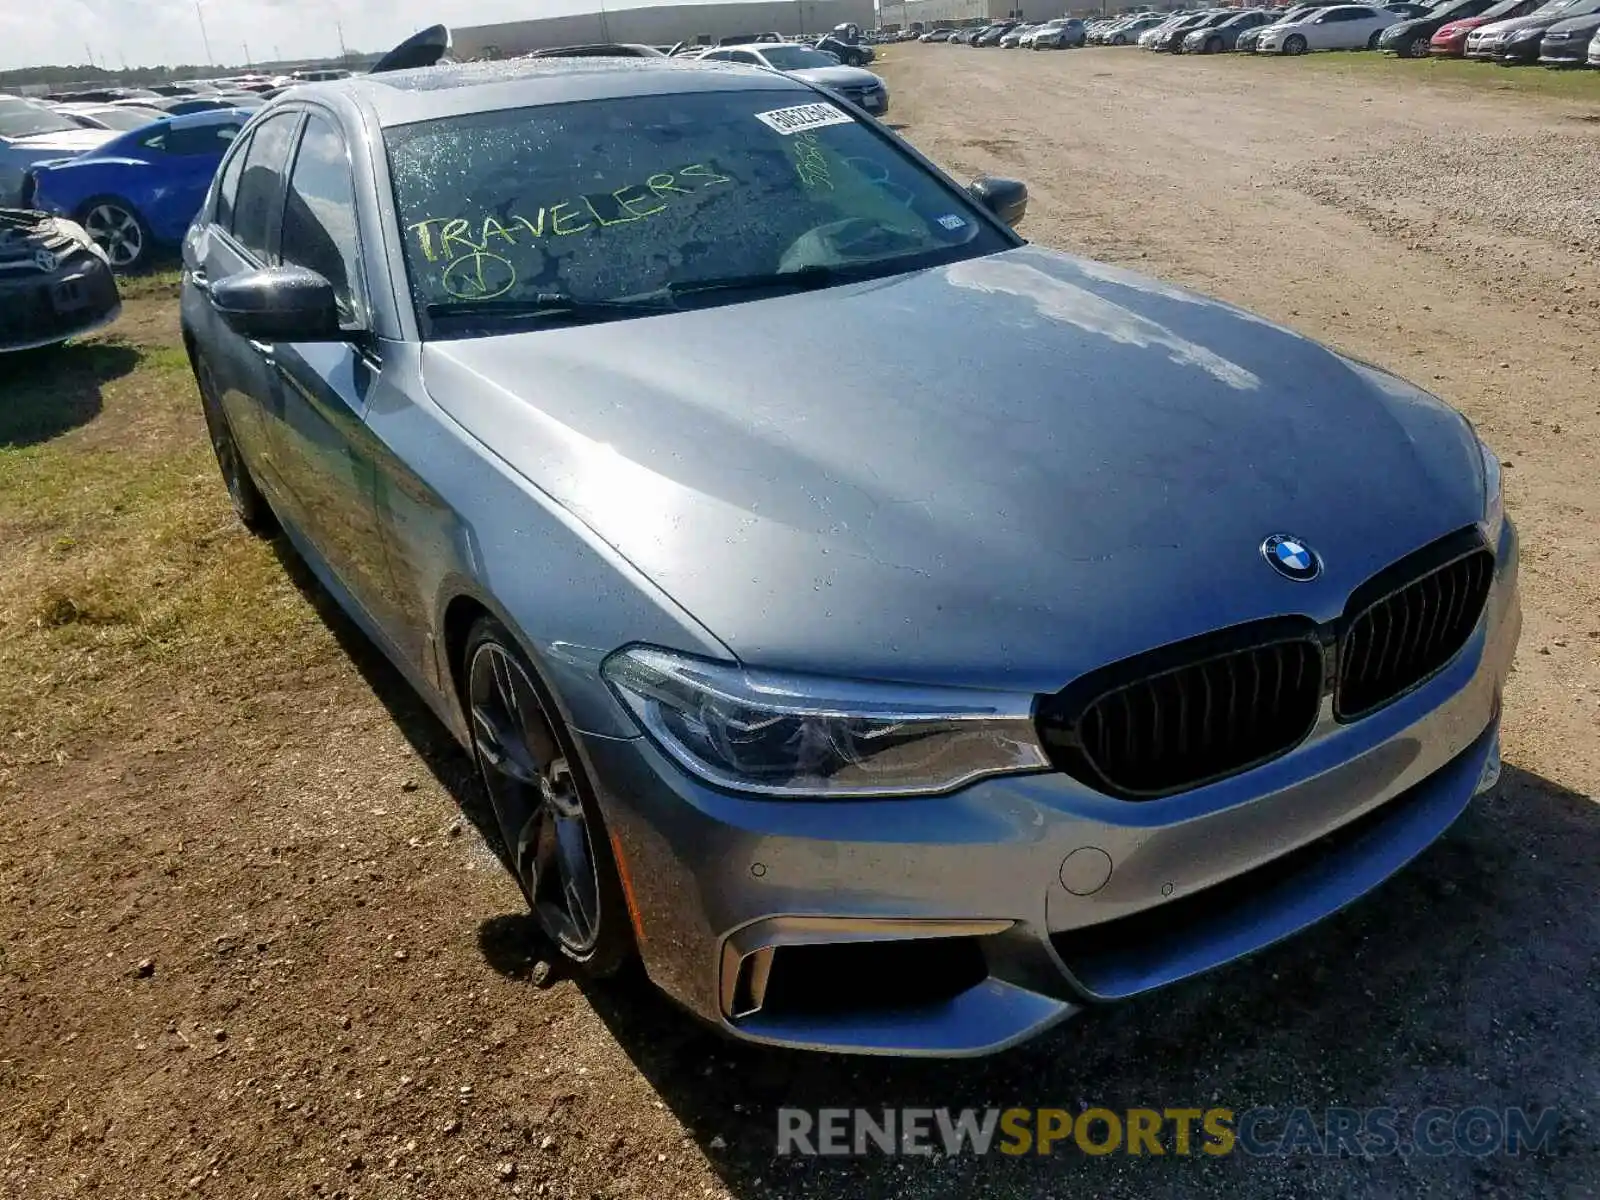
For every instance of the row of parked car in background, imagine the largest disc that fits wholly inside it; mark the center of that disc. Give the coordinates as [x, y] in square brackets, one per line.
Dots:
[1557, 33]
[97, 180]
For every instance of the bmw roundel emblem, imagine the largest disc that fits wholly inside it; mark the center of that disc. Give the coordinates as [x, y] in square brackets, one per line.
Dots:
[1291, 558]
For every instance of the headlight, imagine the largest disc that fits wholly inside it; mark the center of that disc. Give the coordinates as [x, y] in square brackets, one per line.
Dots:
[1494, 502]
[777, 734]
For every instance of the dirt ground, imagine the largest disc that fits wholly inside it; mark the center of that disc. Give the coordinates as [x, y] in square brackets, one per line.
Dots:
[252, 943]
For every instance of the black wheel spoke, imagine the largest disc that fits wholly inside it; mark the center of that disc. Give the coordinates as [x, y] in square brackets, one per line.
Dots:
[535, 798]
[504, 750]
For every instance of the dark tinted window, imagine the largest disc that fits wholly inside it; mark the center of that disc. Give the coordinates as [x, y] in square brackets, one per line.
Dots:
[256, 207]
[228, 186]
[192, 139]
[319, 212]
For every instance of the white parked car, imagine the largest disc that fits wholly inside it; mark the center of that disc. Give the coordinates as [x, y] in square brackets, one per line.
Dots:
[1341, 27]
[856, 84]
[1014, 39]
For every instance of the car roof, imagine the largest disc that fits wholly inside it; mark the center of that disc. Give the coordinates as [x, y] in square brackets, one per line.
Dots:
[764, 46]
[457, 89]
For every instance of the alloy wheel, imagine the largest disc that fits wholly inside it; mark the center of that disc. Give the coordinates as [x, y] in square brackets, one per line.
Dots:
[116, 231]
[1416, 48]
[535, 798]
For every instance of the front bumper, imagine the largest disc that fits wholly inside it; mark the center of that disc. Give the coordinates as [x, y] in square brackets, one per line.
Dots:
[962, 924]
[1563, 53]
[41, 308]
[1524, 51]
[875, 102]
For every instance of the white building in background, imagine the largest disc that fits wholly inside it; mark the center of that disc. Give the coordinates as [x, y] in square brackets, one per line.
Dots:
[962, 12]
[659, 25]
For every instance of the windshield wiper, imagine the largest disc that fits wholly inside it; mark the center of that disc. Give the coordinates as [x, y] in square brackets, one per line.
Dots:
[803, 279]
[555, 305]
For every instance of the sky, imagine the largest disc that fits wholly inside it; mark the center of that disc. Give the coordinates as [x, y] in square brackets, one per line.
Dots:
[155, 32]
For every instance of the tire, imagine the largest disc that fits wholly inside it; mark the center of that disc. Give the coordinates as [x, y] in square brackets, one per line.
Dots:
[119, 230]
[1372, 42]
[1119, 40]
[1294, 44]
[1417, 47]
[1212, 46]
[249, 505]
[545, 807]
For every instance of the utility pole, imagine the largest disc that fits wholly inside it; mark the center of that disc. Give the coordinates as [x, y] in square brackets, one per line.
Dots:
[248, 64]
[204, 36]
[339, 25]
[87, 50]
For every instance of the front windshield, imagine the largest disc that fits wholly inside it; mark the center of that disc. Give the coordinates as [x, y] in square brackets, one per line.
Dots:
[613, 200]
[797, 58]
[126, 119]
[20, 118]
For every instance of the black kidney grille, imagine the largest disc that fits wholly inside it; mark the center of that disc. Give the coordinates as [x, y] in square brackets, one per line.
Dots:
[1190, 724]
[1399, 640]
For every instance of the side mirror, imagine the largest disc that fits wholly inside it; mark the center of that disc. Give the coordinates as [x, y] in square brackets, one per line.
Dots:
[1005, 198]
[279, 304]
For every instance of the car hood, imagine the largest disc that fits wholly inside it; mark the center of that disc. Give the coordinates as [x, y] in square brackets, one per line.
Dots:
[1459, 26]
[1584, 24]
[1514, 24]
[837, 77]
[1003, 471]
[71, 141]
[1402, 29]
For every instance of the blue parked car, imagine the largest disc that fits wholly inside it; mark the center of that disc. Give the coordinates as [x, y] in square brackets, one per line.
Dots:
[140, 190]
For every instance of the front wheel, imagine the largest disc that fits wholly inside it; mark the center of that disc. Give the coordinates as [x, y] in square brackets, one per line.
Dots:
[1119, 40]
[1213, 46]
[1415, 48]
[1294, 44]
[248, 503]
[119, 230]
[544, 805]
[1372, 42]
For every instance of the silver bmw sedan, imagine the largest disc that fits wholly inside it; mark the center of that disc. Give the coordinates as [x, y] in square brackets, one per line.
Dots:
[895, 636]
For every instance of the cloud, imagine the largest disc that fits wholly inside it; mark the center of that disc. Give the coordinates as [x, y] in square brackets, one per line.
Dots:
[152, 32]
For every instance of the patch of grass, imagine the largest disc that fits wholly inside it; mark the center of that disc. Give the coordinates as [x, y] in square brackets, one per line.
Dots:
[161, 283]
[119, 552]
[1534, 80]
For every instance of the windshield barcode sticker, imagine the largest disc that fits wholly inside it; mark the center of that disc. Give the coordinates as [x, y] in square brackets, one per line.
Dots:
[803, 117]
